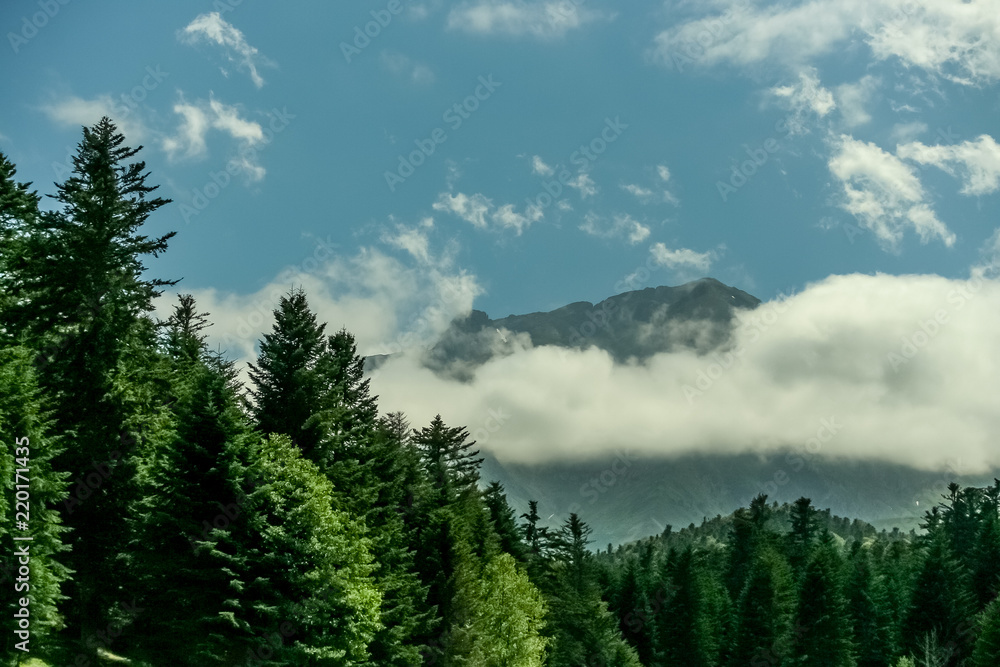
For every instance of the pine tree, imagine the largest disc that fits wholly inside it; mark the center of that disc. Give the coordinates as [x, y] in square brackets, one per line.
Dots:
[987, 650]
[986, 556]
[504, 522]
[941, 602]
[32, 490]
[763, 613]
[636, 611]
[802, 536]
[690, 627]
[582, 629]
[189, 493]
[506, 616]
[80, 298]
[18, 213]
[289, 390]
[295, 561]
[822, 635]
[448, 459]
[870, 612]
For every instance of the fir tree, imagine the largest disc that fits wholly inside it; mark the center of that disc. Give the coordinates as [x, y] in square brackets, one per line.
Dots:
[80, 297]
[288, 391]
[32, 490]
[941, 602]
[987, 650]
[690, 627]
[763, 613]
[870, 612]
[822, 629]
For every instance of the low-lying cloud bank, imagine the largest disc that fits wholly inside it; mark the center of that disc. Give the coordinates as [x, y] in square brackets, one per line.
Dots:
[894, 368]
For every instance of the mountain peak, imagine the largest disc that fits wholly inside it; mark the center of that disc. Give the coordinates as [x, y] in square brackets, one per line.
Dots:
[630, 325]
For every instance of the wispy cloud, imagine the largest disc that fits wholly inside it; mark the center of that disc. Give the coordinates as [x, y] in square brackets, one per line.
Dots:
[480, 211]
[806, 98]
[402, 65]
[77, 111]
[189, 140]
[620, 225]
[535, 18]
[952, 38]
[214, 29]
[539, 168]
[884, 194]
[682, 259]
[977, 162]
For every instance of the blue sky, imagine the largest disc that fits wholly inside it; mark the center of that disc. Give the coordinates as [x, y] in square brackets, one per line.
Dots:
[872, 124]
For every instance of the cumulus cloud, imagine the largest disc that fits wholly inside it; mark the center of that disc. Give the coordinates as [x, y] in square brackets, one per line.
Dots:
[544, 19]
[214, 29]
[853, 100]
[77, 111]
[389, 303]
[977, 162]
[682, 259]
[583, 184]
[954, 38]
[480, 211]
[884, 194]
[807, 97]
[189, 140]
[900, 366]
[621, 226]
[402, 65]
[539, 168]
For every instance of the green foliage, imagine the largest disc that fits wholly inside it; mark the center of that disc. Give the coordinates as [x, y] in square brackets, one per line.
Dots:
[874, 627]
[693, 620]
[822, 636]
[28, 448]
[764, 612]
[987, 650]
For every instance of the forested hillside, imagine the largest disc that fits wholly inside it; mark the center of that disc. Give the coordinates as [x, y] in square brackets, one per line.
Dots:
[178, 517]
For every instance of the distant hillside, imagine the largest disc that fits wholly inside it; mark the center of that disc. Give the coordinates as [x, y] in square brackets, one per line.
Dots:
[625, 499]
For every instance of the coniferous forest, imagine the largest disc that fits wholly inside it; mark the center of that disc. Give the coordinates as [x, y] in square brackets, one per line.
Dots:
[179, 516]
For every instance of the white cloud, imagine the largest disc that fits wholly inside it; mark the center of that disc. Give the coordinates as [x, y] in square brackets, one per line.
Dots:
[682, 259]
[189, 141]
[472, 209]
[976, 162]
[638, 191]
[543, 19]
[864, 353]
[414, 240]
[76, 111]
[583, 184]
[213, 28]
[389, 304]
[647, 195]
[663, 172]
[958, 39]
[884, 194]
[403, 65]
[481, 213]
[621, 226]
[905, 132]
[805, 98]
[539, 168]
[853, 99]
